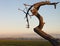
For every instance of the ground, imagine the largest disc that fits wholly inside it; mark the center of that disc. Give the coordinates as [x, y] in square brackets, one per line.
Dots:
[24, 43]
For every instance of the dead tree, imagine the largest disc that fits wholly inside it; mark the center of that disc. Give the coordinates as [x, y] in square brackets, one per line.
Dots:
[38, 29]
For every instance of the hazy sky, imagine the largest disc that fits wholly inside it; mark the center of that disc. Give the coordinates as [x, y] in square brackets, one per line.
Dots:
[12, 20]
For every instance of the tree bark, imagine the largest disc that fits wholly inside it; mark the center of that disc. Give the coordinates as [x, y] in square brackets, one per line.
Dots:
[46, 36]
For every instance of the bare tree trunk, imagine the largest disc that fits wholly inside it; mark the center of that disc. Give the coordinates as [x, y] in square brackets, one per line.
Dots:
[46, 36]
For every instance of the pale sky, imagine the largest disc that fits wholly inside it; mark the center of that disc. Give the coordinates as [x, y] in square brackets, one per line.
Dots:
[12, 20]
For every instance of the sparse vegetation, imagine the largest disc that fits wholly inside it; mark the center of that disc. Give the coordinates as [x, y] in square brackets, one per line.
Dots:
[24, 43]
